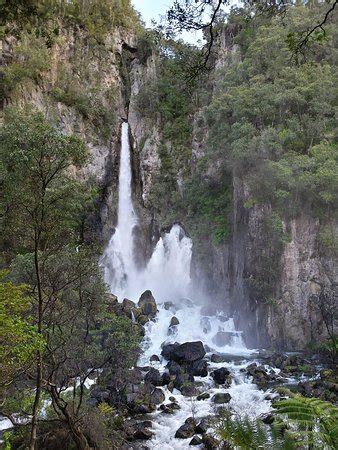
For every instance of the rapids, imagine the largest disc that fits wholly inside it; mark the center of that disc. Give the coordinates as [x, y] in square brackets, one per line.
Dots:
[167, 275]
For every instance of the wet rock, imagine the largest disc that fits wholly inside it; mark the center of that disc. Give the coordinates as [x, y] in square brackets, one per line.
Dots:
[198, 368]
[222, 376]
[181, 379]
[203, 396]
[172, 399]
[216, 358]
[223, 338]
[196, 440]
[154, 377]
[157, 397]
[137, 430]
[142, 319]
[203, 426]
[221, 397]
[189, 390]
[187, 352]
[168, 351]
[267, 418]
[186, 302]
[128, 305]
[174, 321]
[174, 368]
[170, 408]
[259, 374]
[210, 442]
[166, 378]
[154, 358]
[187, 430]
[112, 300]
[147, 304]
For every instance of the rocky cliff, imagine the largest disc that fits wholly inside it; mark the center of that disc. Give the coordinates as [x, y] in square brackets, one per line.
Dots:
[89, 89]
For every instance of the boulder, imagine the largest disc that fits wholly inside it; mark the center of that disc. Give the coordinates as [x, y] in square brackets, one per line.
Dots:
[112, 299]
[157, 397]
[170, 408]
[189, 389]
[198, 368]
[210, 442]
[187, 430]
[142, 319]
[154, 358]
[174, 321]
[128, 305]
[154, 377]
[196, 440]
[205, 324]
[203, 426]
[137, 430]
[221, 376]
[216, 358]
[223, 338]
[221, 397]
[203, 396]
[147, 304]
[166, 378]
[187, 352]
[168, 351]
[174, 368]
[182, 379]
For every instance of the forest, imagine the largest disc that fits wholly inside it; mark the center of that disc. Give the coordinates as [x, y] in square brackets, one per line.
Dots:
[168, 240]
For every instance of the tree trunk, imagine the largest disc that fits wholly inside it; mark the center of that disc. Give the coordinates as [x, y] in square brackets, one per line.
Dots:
[38, 384]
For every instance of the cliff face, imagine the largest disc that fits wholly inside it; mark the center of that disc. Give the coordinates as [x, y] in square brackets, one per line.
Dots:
[230, 273]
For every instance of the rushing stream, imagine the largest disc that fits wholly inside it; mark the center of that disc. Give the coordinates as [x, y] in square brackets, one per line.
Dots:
[167, 275]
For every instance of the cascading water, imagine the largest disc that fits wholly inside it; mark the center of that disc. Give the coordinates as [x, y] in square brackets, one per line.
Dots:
[167, 275]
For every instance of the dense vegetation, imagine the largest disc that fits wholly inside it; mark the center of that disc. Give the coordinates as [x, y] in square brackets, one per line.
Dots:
[267, 119]
[54, 308]
[263, 118]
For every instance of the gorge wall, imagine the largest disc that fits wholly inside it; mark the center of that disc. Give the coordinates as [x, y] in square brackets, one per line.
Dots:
[89, 89]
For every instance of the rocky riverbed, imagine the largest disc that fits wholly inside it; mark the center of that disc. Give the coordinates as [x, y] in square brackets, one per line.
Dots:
[191, 368]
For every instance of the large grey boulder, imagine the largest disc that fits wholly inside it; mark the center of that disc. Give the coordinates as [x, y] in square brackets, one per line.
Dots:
[184, 353]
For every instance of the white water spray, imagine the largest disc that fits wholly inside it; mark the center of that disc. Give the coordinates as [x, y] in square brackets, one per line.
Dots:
[167, 275]
[118, 259]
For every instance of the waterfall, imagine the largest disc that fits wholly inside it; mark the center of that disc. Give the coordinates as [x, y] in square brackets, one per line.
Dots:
[167, 273]
[118, 260]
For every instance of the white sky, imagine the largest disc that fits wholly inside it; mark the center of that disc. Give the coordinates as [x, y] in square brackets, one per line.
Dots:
[153, 9]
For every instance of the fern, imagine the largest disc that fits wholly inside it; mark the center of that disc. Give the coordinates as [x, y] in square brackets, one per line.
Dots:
[311, 419]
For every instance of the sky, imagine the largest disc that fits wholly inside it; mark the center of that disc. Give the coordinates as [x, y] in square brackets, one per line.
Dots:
[153, 9]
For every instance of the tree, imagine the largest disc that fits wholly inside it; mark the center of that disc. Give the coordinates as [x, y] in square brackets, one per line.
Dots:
[205, 15]
[19, 340]
[38, 202]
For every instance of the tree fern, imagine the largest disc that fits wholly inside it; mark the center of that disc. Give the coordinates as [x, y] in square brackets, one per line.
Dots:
[311, 419]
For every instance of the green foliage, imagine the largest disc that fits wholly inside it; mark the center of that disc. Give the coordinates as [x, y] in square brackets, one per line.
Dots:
[208, 206]
[242, 433]
[19, 340]
[312, 420]
[32, 58]
[88, 99]
[39, 195]
[96, 16]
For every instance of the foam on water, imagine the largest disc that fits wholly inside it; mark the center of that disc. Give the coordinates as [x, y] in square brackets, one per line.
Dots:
[167, 275]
